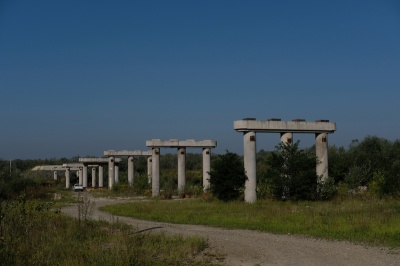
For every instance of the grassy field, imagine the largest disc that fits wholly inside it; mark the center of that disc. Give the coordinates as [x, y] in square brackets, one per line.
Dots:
[375, 222]
[34, 233]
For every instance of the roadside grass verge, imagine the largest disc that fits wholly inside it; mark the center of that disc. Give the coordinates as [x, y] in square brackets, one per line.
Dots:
[31, 233]
[374, 222]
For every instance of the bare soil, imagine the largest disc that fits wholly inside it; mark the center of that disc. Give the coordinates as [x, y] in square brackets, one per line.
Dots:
[246, 247]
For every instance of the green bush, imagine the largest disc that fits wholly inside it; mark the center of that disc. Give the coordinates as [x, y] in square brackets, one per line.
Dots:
[227, 179]
[291, 173]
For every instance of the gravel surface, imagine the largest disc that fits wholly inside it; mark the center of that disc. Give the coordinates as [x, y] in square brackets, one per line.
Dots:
[246, 247]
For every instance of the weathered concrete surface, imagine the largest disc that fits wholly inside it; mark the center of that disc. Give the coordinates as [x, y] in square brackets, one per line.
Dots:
[127, 153]
[174, 143]
[284, 126]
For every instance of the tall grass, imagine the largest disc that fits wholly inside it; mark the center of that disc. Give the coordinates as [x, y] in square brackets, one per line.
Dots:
[365, 221]
[31, 233]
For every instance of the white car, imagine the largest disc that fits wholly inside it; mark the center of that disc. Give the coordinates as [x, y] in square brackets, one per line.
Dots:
[78, 187]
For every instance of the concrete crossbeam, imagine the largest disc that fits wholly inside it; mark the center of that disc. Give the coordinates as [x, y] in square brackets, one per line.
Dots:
[50, 168]
[174, 143]
[127, 153]
[97, 160]
[322, 126]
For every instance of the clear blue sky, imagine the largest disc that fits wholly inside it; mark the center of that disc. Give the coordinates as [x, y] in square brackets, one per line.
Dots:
[81, 77]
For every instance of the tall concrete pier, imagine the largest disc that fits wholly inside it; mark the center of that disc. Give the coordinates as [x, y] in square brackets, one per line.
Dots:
[249, 140]
[206, 168]
[130, 155]
[155, 179]
[181, 146]
[249, 127]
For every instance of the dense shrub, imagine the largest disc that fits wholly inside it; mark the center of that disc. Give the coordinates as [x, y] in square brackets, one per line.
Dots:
[291, 173]
[228, 177]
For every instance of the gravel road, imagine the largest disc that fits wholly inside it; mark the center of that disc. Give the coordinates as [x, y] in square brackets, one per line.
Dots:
[246, 247]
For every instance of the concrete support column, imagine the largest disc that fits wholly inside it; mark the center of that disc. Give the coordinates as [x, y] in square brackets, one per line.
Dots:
[249, 139]
[287, 137]
[181, 168]
[94, 177]
[55, 175]
[85, 177]
[206, 168]
[67, 172]
[116, 174]
[80, 175]
[101, 176]
[110, 172]
[321, 151]
[149, 168]
[130, 170]
[155, 170]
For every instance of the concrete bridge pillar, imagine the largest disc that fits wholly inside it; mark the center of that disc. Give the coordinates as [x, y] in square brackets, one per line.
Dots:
[80, 175]
[111, 164]
[116, 174]
[181, 168]
[249, 139]
[206, 168]
[149, 168]
[67, 172]
[130, 170]
[155, 170]
[101, 176]
[55, 175]
[94, 177]
[287, 137]
[321, 151]
[85, 175]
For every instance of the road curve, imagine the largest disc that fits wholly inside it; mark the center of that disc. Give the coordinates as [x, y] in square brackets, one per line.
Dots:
[247, 247]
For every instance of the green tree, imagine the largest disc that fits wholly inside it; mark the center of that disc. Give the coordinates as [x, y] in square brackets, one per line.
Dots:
[291, 173]
[227, 177]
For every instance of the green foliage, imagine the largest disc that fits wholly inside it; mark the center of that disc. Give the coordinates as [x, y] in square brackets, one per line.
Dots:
[291, 173]
[339, 163]
[32, 234]
[141, 184]
[31, 188]
[227, 177]
[327, 189]
[357, 175]
[388, 183]
[370, 164]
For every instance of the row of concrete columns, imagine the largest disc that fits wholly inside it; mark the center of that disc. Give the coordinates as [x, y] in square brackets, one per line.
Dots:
[181, 146]
[111, 154]
[82, 173]
[248, 126]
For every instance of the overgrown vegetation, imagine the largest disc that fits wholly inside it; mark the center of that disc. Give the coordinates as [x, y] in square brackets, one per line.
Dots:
[34, 232]
[31, 233]
[228, 177]
[370, 167]
[291, 173]
[357, 220]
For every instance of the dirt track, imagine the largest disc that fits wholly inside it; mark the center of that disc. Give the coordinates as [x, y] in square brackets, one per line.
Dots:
[245, 247]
